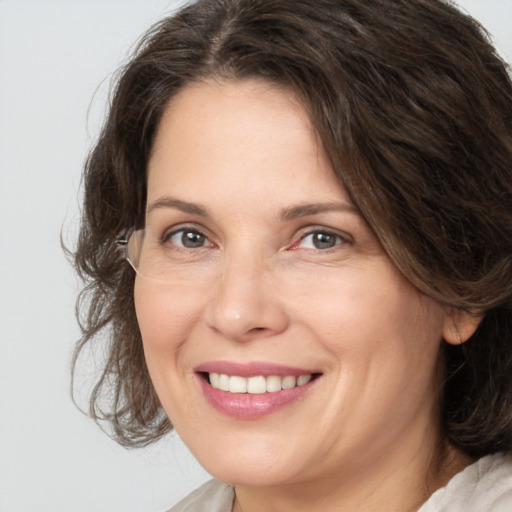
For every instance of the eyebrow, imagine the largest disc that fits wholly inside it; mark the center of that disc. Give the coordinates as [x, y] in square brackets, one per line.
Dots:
[184, 206]
[305, 210]
[290, 213]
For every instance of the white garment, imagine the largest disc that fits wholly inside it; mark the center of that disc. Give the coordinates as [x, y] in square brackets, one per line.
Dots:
[210, 497]
[485, 486]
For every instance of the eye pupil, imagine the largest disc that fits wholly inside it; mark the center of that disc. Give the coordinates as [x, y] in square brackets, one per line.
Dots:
[192, 239]
[324, 240]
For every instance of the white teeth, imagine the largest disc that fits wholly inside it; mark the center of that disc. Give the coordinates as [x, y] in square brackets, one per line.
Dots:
[224, 382]
[289, 382]
[303, 379]
[237, 384]
[256, 385]
[214, 380]
[273, 383]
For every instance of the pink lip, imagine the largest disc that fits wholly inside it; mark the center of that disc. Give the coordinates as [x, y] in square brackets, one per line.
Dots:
[248, 406]
[251, 369]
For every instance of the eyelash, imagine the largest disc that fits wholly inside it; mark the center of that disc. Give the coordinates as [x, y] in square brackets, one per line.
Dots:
[167, 238]
[340, 239]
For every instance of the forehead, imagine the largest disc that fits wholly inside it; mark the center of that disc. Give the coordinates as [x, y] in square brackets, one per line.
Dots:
[244, 135]
[212, 115]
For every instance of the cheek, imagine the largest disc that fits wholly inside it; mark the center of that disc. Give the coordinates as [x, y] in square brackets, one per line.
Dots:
[383, 339]
[165, 318]
[376, 318]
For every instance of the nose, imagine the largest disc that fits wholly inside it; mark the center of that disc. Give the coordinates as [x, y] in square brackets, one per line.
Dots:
[246, 302]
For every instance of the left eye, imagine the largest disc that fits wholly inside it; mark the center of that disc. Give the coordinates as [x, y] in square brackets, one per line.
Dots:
[319, 240]
[189, 239]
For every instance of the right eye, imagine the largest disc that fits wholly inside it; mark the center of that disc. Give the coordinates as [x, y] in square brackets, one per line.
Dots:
[188, 239]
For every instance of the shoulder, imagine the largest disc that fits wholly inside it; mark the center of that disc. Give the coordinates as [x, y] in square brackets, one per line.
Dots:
[212, 496]
[485, 486]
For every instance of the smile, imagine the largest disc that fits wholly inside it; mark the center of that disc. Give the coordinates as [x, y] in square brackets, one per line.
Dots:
[256, 385]
[255, 390]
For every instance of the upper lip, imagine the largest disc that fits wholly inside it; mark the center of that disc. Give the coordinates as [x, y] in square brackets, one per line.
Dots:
[251, 369]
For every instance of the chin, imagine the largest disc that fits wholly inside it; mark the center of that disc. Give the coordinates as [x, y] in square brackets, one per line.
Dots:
[249, 473]
[246, 460]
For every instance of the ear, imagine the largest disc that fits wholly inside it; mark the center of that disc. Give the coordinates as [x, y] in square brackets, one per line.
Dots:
[460, 325]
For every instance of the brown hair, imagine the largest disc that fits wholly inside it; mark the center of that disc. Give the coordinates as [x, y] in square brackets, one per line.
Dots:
[414, 108]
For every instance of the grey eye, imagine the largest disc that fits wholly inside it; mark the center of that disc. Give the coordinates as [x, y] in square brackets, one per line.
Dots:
[189, 239]
[320, 240]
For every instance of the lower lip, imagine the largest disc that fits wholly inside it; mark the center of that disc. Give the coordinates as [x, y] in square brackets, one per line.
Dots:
[248, 406]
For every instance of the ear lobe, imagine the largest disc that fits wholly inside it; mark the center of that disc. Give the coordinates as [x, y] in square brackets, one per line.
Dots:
[460, 325]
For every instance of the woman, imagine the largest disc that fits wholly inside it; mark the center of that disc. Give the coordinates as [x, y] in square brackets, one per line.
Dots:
[316, 198]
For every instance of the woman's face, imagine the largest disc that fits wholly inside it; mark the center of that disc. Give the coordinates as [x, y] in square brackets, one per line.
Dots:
[274, 280]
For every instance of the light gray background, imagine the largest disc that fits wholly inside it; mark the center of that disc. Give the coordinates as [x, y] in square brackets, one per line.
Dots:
[53, 56]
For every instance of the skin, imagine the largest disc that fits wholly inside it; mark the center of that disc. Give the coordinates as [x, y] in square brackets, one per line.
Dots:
[365, 435]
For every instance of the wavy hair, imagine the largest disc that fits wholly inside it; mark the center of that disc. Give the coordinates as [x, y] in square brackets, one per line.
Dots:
[414, 108]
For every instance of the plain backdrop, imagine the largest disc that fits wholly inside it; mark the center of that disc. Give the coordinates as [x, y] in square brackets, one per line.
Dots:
[55, 57]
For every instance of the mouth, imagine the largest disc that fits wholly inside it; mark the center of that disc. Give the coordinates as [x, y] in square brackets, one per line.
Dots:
[255, 390]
